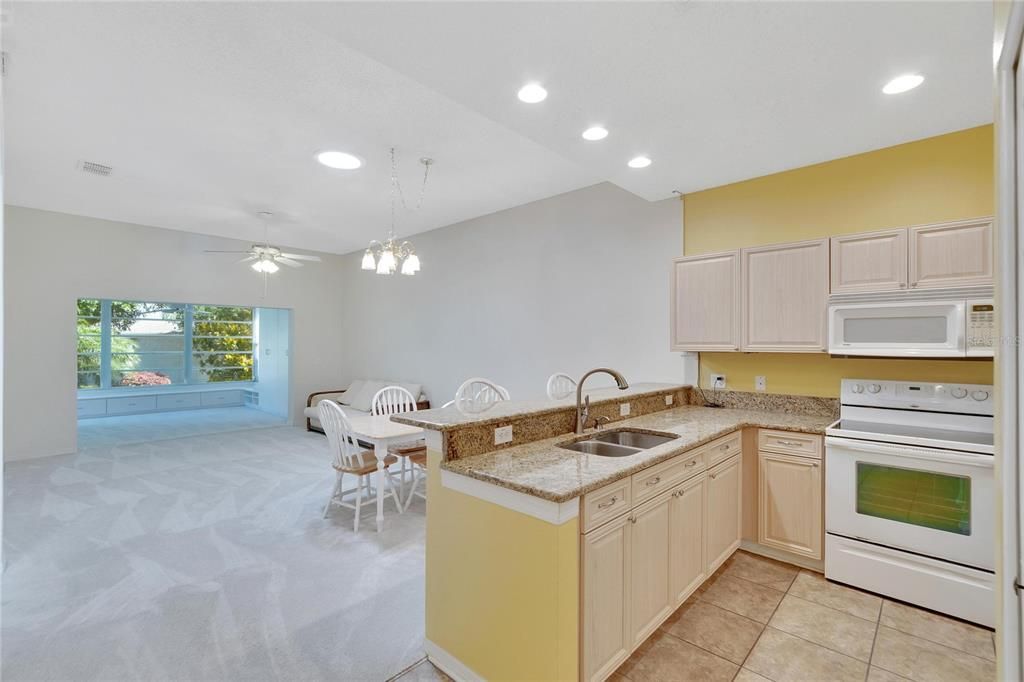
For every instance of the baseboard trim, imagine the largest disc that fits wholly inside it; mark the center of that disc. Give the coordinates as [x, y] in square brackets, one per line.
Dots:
[449, 665]
[772, 553]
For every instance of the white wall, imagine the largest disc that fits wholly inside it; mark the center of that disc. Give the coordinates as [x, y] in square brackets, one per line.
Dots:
[273, 330]
[52, 259]
[564, 284]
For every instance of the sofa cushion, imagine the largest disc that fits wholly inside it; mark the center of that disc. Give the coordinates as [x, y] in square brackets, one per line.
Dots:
[415, 389]
[363, 398]
[353, 389]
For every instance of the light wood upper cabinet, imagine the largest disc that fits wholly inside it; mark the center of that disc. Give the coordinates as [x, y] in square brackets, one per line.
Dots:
[790, 515]
[785, 293]
[705, 302]
[650, 602]
[686, 539]
[870, 261]
[606, 561]
[951, 254]
[724, 516]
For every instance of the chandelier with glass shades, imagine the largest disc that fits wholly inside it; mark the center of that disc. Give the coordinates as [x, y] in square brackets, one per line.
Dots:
[389, 255]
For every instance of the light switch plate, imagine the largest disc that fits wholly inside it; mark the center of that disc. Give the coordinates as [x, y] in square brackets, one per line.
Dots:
[668, 400]
[623, 409]
[760, 383]
[502, 435]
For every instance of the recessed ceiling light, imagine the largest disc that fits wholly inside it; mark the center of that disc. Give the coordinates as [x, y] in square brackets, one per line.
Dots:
[639, 162]
[339, 160]
[907, 81]
[531, 93]
[595, 133]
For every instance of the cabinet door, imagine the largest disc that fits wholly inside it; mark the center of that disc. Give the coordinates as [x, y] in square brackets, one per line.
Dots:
[785, 294]
[606, 598]
[686, 562]
[723, 515]
[705, 302]
[870, 261]
[790, 515]
[650, 602]
[951, 254]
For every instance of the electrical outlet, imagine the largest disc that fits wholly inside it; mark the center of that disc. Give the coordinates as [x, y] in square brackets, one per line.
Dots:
[502, 435]
[668, 400]
[717, 381]
[760, 383]
[623, 409]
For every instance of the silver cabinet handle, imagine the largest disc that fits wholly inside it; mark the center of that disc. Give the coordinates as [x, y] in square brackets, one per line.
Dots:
[654, 481]
[726, 446]
[790, 442]
[691, 463]
[632, 519]
[814, 464]
[714, 475]
[605, 505]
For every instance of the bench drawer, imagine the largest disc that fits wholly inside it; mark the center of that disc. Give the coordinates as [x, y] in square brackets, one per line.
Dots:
[651, 482]
[92, 408]
[214, 398]
[790, 443]
[605, 504]
[177, 401]
[143, 403]
[723, 448]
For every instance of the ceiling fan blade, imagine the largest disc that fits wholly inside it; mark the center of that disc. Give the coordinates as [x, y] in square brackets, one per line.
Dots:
[247, 259]
[213, 251]
[287, 261]
[300, 256]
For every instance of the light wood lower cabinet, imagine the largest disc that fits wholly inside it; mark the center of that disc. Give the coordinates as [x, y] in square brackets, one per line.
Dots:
[687, 565]
[724, 515]
[790, 516]
[650, 603]
[606, 562]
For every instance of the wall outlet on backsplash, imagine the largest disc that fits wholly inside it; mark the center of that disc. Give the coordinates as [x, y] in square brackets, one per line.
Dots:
[502, 435]
[760, 383]
[624, 409]
[717, 381]
[668, 400]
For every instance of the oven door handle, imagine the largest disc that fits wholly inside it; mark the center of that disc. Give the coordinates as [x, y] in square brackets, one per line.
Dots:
[911, 452]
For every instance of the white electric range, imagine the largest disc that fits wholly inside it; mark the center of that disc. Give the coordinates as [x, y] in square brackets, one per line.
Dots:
[910, 494]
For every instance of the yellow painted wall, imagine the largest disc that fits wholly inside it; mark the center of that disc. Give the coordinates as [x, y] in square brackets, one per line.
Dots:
[943, 178]
[502, 588]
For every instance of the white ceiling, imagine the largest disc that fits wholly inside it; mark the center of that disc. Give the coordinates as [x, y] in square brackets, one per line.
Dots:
[210, 112]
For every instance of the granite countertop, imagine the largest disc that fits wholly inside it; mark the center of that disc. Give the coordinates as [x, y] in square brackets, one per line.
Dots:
[551, 473]
[449, 418]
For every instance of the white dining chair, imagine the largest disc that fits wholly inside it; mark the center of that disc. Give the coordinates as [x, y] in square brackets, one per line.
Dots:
[478, 395]
[350, 459]
[393, 400]
[560, 385]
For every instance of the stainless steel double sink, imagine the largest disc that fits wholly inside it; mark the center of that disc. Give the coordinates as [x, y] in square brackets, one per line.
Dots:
[618, 443]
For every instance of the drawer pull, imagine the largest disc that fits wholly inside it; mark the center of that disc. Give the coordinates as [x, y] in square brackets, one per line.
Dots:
[726, 446]
[605, 505]
[796, 444]
[691, 463]
[654, 481]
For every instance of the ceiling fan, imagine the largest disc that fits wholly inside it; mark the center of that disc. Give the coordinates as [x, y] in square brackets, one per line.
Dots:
[266, 258]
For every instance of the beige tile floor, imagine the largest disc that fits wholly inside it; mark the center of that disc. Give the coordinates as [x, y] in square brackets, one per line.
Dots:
[757, 619]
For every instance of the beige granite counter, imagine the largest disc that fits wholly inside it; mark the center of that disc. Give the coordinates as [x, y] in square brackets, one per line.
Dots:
[543, 470]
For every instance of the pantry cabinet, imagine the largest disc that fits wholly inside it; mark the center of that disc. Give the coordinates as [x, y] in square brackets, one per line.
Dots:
[870, 261]
[705, 302]
[724, 514]
[785, 293]
[605, 563]
[951, 254]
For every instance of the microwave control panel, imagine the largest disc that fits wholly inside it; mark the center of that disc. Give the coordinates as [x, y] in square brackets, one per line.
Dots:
[981, 327]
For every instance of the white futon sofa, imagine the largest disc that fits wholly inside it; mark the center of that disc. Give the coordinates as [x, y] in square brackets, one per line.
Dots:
[356, 399]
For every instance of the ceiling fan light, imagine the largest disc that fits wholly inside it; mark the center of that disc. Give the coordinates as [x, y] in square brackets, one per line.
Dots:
[270, 267]
[368, 261]
[386, 263]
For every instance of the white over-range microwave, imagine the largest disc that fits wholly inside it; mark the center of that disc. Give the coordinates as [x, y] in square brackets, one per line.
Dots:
[909, 327]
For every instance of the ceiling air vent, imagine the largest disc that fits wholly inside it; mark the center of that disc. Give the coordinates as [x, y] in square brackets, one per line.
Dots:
[95, 168]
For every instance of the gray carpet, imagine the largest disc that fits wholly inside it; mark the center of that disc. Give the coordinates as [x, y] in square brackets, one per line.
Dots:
[203, 558]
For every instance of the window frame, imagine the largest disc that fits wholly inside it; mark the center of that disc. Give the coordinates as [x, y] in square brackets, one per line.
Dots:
[187, 352]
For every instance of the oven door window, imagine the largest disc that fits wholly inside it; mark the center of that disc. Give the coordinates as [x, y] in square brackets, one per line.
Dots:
[921, 498]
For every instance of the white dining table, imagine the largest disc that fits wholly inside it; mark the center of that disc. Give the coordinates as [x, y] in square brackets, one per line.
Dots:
[381, 432]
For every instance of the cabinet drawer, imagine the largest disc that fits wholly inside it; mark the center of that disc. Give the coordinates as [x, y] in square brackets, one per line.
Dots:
[651, 482]
[790, 443]
[605, 504]
[725, 447]
[143, 403]
[177, 401]
[222, 398]
[92, 408]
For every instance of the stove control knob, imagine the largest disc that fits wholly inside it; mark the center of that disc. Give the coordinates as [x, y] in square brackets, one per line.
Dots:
[874, 388]
[980, 395]
[959, 392]
[857, 388]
